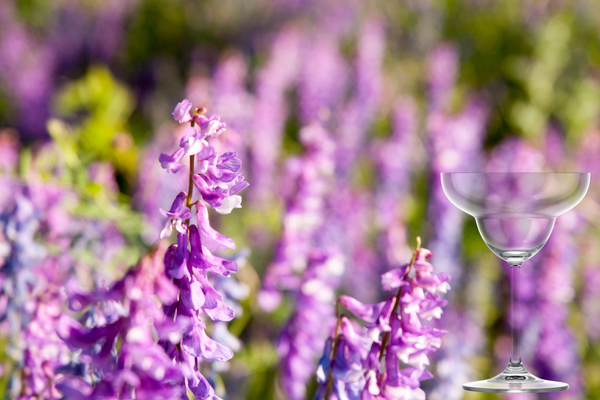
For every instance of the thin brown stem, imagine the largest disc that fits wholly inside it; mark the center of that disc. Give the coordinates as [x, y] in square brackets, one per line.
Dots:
[397, 306]
[188, 201]
[335, 347]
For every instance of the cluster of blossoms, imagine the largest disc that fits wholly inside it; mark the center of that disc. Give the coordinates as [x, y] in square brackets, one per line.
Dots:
[118, 356]
[350, 367]
[271, 108]
[41, 245]
[300, 340]
[309, 181]
[189, 261]
[129, 346]
[30, 299]
[305, 265]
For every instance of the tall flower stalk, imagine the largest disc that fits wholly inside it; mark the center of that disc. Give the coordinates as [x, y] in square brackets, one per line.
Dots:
[364, 362]
[190, 262]
[121, 318]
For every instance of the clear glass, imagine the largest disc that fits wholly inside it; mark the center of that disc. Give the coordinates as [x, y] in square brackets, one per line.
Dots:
[515, 214]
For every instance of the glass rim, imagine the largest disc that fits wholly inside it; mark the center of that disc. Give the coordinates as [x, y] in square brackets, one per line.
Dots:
[516, 173]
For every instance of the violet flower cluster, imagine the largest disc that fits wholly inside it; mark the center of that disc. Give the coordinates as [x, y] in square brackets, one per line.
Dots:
[129, 345]
[29, 62]
[360, 111]
[300, 341]
[41, 245]
[309, 180]
[305, 265]
[117, 353]
[191, 262]
[557, 356]
[277, 76]
[365, 363]
[30, 299]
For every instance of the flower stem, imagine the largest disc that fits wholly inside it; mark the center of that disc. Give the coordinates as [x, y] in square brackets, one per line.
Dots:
[188, 201]
[386, 336]
[335, 346]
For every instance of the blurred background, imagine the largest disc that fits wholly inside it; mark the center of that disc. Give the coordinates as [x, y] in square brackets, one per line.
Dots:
[405, 89]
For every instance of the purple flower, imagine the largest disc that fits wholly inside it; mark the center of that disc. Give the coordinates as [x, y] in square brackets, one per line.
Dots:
[178, 213]
[171, 162]
[442, 68]
[209, 127]
[270, 111]
[322, 78]
[360, 111]
[181, 113]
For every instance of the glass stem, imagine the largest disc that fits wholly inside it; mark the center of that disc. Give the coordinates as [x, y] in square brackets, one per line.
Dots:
[515, 354]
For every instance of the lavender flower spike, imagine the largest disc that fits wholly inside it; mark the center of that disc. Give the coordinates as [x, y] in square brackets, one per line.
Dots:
[191, 265]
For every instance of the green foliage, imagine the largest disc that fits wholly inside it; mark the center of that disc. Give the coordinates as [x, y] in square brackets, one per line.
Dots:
[261, 359]
[101, 107]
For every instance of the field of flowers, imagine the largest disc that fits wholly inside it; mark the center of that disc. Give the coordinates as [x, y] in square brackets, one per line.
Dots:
[241, 199]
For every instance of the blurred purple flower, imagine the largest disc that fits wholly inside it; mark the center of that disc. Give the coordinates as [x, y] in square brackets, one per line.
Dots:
[300, 340]
[360, 111]
[322, 78]
[556, 356]
[30, 292]
[304, 215]
[137, 367]
[26, 68]
[273, 80]
[393, 158]
[442, 69]
[232, 101]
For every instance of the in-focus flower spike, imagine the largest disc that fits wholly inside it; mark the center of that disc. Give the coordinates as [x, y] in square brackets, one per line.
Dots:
[365, 363]
[197, 274]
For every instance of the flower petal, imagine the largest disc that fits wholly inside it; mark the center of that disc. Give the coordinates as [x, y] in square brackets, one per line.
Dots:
[229, 203]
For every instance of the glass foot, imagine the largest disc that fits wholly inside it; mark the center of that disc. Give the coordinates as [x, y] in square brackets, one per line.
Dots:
[515, 379]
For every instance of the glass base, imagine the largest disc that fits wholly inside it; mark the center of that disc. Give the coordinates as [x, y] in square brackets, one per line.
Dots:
[515, 379]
